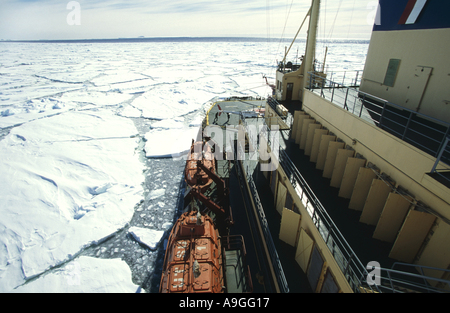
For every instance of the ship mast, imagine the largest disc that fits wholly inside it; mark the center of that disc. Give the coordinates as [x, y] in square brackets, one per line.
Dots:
[308, 61]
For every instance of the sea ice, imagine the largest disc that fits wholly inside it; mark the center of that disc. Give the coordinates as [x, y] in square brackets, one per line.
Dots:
[167, 225]
[65, 75]
[134, 87]
[167, 101]
[217, 84]
[148, 237]
[68, 181]
[33, 109]
[166, 143]
[155, 194]
[96, 96]
[164, 75]
[168, 124]
[7, 112]
[16, 94]
[85, 274]
[117, 76]
[130, 111]
[197, 120]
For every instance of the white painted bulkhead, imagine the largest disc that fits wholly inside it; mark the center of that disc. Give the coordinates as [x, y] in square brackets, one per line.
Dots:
[417, 237]
[421, 81]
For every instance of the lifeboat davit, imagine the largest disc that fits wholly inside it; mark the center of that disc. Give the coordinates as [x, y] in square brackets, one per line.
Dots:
[193, 260]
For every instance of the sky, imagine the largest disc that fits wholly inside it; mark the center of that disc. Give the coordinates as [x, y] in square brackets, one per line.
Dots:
[98, 19]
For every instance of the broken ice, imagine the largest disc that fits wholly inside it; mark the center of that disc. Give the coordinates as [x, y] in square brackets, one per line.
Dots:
[148, 237]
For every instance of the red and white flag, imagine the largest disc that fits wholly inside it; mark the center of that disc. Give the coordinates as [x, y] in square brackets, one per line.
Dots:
[412, 11]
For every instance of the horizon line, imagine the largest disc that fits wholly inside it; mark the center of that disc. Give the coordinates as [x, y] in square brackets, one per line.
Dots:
[172, 38]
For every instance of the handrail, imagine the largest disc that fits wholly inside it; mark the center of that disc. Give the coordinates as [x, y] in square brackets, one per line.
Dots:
[349, 263]
[397, 283]
[424, 132]
[277, 267]
[351, 266]
[236, 242]
[444, 154]
[355, 81]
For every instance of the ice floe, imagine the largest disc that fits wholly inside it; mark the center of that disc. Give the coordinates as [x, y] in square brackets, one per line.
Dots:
[175, 123]
[85, 275]
[155, 194]
[97, 97]
[117, 76]
[130, 111]
[147, 237]
[167, 143]
[33, 109]
[68, 181]
[184, 99]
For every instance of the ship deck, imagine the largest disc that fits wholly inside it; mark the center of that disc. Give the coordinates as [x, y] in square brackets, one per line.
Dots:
[221, 118]
[246, 223]
[357, 234]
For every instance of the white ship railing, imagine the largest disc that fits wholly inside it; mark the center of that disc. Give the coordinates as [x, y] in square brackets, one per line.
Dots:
[424, 132]
[346, 78]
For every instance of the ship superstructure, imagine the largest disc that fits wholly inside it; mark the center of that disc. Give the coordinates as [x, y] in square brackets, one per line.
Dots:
[407, 62]
[383, 147]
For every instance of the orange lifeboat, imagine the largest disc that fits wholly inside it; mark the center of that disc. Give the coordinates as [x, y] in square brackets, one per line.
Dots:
[195, 175]
[193, 260]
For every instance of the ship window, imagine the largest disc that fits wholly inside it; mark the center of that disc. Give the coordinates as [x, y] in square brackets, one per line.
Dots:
[391, 72]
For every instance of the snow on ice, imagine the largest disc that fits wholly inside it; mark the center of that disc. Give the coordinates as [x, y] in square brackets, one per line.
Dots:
[85, 274]
[169, 142]
[155, 194]
[155, 104]
[67, 181]
[130, 111]
[148, 237]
